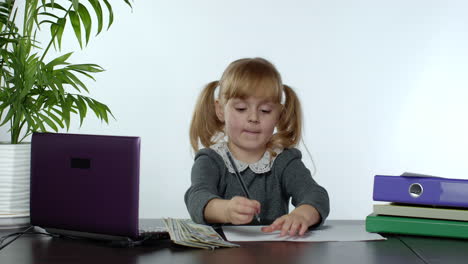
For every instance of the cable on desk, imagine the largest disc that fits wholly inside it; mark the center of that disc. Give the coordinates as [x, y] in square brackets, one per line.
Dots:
[128, 243]
[17, 234]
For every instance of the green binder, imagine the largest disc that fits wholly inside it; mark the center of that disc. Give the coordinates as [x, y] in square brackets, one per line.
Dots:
[416, 226]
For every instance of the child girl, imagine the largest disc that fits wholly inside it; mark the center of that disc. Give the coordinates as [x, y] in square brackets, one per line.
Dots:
[249, 119]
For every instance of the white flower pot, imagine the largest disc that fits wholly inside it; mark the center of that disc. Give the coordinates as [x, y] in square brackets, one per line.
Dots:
[15, 160]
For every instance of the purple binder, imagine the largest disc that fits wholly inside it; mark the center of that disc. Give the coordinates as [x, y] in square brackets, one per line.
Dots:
[434, 191]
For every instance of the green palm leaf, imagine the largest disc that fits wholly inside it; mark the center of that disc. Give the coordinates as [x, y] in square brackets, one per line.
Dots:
[49, 122]
[61, 22]
[98, 10]
[82, 109]
[62, 60]
[76, 4]
[76, 24]
[111, 13]
[86, 20]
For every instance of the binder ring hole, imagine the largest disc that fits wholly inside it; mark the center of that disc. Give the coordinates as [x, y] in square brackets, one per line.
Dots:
[415, 190]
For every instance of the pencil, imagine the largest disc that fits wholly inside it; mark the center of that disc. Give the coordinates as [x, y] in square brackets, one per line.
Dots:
[239, 178]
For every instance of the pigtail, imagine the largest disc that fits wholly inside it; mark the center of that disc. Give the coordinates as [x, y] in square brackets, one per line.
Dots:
[289, 128]
[205, 124]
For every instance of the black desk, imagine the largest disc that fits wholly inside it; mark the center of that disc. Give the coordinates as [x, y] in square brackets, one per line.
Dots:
[397, 249]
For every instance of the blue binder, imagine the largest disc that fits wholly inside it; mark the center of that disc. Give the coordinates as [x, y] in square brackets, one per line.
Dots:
[423, 189]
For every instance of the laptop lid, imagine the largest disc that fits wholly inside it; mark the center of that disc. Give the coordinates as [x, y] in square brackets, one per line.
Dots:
[85, 183]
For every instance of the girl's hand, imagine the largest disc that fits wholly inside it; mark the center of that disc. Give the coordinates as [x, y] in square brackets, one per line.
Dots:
[295, 223]
[240, 210]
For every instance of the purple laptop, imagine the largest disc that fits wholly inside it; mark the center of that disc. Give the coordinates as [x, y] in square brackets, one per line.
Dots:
[86, 185]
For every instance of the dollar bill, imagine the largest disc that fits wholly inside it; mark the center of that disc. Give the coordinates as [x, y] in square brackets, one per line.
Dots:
[187, 233]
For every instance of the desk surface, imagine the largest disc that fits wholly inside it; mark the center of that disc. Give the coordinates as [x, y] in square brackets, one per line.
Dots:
[396, 249]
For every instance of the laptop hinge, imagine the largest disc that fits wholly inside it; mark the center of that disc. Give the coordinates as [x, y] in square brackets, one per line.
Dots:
[86, 234]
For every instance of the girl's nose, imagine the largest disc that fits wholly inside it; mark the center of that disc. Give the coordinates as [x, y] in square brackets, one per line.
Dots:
[253, 117]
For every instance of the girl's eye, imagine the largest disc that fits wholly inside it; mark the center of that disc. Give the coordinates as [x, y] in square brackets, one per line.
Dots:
[266, 111]
[240, 109]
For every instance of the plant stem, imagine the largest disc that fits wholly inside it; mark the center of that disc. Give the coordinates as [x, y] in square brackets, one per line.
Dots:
[14, 133]
[53, 36]
[21, 126]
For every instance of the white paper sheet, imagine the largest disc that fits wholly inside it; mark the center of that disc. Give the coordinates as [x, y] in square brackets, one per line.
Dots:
[334, 232]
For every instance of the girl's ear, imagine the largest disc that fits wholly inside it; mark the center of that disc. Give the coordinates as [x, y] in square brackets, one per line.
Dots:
[219, 111]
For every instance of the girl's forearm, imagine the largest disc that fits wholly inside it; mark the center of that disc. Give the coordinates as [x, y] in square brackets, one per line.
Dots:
[215, 211]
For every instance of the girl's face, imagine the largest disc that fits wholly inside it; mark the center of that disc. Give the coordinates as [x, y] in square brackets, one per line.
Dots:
[249, 123]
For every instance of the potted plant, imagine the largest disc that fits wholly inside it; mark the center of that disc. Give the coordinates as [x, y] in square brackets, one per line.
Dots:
[39, 93]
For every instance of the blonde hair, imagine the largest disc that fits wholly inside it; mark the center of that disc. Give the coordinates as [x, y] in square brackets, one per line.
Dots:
[241, 79]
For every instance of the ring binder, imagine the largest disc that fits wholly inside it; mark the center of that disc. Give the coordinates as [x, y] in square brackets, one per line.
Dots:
[428, 190]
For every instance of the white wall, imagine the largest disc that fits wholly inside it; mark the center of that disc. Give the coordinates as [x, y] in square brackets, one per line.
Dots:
[383, 85]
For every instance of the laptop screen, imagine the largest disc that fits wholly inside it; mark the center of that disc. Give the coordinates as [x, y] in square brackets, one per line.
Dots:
[85, 183]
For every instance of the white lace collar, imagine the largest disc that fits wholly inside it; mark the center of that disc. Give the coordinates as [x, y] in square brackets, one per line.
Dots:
[261, 166]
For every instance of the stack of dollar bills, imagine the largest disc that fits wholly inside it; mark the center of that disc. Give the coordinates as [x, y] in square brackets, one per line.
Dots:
[185, 232]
